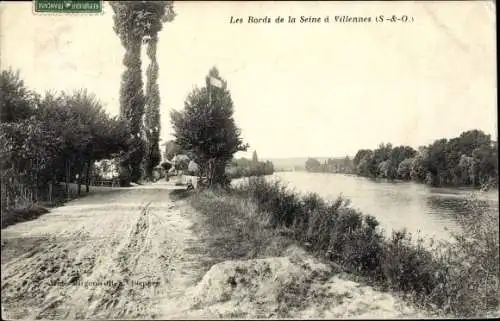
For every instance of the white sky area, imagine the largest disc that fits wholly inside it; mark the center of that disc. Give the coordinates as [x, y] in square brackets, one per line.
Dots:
[298, 89]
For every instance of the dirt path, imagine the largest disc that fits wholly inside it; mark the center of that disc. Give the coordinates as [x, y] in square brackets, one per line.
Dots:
[133, 254]
[118, 255]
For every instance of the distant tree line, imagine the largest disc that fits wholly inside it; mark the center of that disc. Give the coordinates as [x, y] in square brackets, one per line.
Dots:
[45, 140]
[331, 165]
[470, 159]
[235, 168]
[244, 167]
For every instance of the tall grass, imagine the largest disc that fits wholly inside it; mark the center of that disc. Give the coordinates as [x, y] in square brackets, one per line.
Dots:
[457, 278]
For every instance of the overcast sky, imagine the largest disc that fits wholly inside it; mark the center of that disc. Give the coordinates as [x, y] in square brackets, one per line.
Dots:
[298, 89]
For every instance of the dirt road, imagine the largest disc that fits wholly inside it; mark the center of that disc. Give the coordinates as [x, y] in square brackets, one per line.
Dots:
[122, 254]
[133, 254]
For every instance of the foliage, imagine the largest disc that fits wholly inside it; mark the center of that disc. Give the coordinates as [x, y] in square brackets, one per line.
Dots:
[255, 158]
[152, 156]
[469, 285]
[331, 165]
[245, 168]
[404, 169]
[467, 160]
[133, 20]
[156, 13]
[207, 131]
[172, 149]
[181, 162]
[17, 102]
[312, 164]
[129, 26]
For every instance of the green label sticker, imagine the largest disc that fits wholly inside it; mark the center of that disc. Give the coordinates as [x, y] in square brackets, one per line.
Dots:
[67, 6]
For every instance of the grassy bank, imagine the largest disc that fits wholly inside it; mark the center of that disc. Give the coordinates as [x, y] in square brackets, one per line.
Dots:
[260, 218]
[234, 228]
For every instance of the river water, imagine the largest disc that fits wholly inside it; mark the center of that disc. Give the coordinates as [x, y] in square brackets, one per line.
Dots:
[422, 210]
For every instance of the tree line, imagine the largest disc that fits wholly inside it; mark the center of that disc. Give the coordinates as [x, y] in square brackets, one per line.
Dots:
[235, 168]
[244, 167]
[471, 159]
[331, 165]
[52, 138]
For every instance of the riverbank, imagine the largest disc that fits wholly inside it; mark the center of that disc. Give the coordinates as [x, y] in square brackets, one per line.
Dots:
[261, 218]
[261, 272]
[482, 187]
[424, 211]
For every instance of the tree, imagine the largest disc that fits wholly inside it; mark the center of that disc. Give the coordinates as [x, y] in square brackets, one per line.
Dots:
[87, 132]
[485, 165]
[17, 102]
[255, 159]
[469, 159]
[157, 12]
[383, 169]
[435, 162]
[172, 149]
[472, 139]
[359, 155]
[418, 170]
[404, 169]
[64, 135]
[206, 129]
[396, 156]
[312, 165]
[131, 24]
[466, 167]
[366, 165]
[181, 162]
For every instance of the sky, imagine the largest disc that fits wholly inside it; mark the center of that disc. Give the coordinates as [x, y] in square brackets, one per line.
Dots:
[299, 90]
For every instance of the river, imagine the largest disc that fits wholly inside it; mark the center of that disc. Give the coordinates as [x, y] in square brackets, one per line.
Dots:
[422, 210]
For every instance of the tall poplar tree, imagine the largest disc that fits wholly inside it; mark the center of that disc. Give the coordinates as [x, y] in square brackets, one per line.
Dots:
[127, 25]
[133, 20]
[158, 12]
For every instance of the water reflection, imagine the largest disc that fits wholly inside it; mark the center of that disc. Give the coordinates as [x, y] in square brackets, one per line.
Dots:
[448, 206]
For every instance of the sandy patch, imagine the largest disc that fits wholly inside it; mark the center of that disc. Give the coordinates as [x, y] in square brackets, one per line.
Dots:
[293, 286]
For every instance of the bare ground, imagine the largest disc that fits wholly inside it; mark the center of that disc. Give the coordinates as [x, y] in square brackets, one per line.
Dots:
[133, 254]
[115, 255]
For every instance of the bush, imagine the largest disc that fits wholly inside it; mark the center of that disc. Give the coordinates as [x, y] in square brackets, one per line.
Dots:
[408, 266]
[245, 168]
[283, 205]
[469, 284]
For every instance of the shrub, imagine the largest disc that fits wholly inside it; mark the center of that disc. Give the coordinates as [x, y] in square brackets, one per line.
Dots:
[408, 266]
[469, 284]
[274, 198]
